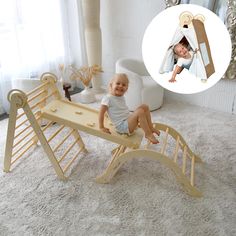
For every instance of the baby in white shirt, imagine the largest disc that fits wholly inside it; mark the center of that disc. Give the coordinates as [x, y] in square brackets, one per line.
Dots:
[125, 123]
[184, 59]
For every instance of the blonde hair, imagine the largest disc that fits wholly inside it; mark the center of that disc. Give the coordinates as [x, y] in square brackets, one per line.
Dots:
[116, 76]
[176, 45]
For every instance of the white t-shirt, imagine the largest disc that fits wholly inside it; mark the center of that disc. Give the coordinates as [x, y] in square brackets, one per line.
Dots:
[182, 62]
[117, 108]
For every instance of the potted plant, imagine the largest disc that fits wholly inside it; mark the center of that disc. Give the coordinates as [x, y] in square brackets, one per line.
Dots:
[85, 74]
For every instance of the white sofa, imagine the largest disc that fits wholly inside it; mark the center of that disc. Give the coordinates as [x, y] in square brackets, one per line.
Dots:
[142, 88]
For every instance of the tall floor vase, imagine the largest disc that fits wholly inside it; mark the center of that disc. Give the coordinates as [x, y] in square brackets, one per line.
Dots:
[93, 38]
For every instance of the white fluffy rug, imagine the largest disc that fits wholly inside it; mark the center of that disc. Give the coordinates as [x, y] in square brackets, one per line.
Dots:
[144, 197]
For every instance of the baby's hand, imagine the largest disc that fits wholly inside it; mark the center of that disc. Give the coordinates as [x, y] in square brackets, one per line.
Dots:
[172, 80]
[106, 130]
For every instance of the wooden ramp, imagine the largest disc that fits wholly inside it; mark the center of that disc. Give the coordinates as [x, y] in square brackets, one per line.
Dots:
[83, 118]
[176, 162]
[44, 103]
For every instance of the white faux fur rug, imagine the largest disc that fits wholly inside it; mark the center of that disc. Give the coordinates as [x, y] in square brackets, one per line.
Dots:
[144, 197]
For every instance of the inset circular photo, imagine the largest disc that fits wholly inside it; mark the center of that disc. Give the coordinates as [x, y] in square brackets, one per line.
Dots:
[186, 48]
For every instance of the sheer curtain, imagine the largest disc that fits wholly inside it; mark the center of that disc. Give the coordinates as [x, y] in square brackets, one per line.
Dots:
[34, 38]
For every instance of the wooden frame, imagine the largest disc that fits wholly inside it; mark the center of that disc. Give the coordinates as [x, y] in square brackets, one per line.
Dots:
[83, 118]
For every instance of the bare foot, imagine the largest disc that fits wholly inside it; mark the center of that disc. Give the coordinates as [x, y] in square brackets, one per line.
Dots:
[156, 131]
[152, 139]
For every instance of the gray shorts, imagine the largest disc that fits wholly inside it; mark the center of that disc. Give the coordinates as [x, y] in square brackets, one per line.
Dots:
[123, 127]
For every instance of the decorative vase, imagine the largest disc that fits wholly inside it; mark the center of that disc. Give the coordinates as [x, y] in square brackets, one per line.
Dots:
[97, 84]
[87, 95]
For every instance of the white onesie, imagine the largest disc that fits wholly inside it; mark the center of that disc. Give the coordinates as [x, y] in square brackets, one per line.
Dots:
[186, 63]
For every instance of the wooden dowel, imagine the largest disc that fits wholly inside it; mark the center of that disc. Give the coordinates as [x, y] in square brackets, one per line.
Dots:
[68, 149]
[25, 136]
[115, 153]
[48, 125]
[21, 123]
[22, 153]
[184, 160]
[176, 149]
[181, 144]
[22, 131]
[63, 140]
[37, 88]
[72, 160]
[192, 170]
[189, 155]
[165, 142]
[43, 100]
[36, 95]
[44, 128]
[114, 150]
[20, 115]
[56, 133]
[23, 145]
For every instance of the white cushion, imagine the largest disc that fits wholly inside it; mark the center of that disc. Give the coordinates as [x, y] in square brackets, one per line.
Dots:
[142, 88]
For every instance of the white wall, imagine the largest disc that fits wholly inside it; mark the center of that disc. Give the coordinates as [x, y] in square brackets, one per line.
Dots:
[1, 108]
[123, 24]
[221, 97]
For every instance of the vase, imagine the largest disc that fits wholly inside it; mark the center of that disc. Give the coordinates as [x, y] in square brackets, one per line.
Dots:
[87, 95]
[97, 85]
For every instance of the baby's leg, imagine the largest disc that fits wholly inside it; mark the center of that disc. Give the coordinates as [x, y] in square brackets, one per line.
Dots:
[139, 115]
[149, 119]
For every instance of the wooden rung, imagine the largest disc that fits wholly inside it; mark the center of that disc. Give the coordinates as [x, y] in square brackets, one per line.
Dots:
[24, 144]
[25, 121]
[184, 160]
[121, 150]
[36, 95]
[22, 131]
[37, 88]
[44, 128]
[20, 115]
[181, 144]
[165, 142]
[72, 160]
[176, 149]
[114, 150]
[192, 170]
[56, 133]
[21, 123]
[42, 100]
[48, 125]
[22, 153]
[68, 149]
[63, 140]
[25, 136]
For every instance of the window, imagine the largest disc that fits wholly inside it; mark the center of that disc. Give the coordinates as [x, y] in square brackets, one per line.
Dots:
[31, 36]
[204, 53]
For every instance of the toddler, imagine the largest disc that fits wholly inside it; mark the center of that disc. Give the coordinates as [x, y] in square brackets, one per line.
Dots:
[125, 123]
[184, 59]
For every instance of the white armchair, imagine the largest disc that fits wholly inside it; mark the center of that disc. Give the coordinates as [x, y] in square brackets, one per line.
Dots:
[142, 88]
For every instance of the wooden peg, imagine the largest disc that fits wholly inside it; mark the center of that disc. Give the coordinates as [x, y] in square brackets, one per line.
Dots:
[91, 124]
[53, 109]
[79, 112]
